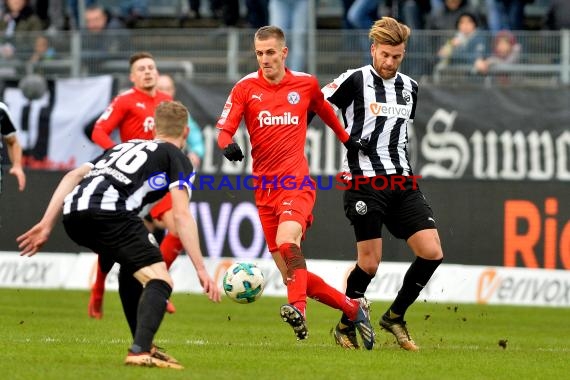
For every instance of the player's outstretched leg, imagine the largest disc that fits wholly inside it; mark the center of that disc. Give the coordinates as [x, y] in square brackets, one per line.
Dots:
[296, 320]
[363, 325]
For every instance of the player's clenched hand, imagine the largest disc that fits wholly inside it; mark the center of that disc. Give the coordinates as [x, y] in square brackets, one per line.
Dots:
[233, 152]
[209, 286]
[354, 145]
[32, 241]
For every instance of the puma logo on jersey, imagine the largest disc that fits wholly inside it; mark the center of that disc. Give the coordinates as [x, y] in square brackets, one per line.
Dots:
[288, 212]
[258, 97]
[140, 105]
[285, 203]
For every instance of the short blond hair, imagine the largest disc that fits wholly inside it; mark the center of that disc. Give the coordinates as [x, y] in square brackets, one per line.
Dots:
[170, 118]
[388, 31]
[270, 31]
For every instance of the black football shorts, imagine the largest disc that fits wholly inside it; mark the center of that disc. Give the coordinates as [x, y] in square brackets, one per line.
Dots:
[117, 236]
[402, 208]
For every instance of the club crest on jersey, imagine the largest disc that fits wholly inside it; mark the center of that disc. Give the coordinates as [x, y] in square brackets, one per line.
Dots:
[407, 96]
[148, 124]
[293, 97]
[361, 208]
[266, 119]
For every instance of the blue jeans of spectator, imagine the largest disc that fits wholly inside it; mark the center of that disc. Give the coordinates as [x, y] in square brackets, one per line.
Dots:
[363, 13]
[134, 7]
[504, 14]
[293, 17]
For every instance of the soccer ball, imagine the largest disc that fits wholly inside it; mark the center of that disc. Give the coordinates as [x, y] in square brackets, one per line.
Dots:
[243, 282]
[33, 86]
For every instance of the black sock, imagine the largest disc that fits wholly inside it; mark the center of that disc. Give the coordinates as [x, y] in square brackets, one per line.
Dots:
[356, 285]
[130, 290]
[151, 310]
[415, 280]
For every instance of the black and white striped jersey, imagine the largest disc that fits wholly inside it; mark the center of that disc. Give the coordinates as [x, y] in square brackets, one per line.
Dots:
[379, 110]
[6, 129]
[129, 176]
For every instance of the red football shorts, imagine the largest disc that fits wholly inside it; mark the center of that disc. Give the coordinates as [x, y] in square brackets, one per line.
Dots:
[279, 205]
[161, 207]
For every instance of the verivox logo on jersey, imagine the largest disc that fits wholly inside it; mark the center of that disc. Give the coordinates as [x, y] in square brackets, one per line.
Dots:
[266, 119]
[383, 109]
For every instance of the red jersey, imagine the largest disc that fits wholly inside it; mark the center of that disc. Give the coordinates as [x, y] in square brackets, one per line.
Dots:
[276, 120]
[133, 113]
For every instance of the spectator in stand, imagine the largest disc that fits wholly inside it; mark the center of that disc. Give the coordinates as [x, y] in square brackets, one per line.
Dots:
[215, 8]
[257, 13]
[73, 11]
[558, 16]
[505, 14]
[293, 17]
[98, 43]
[506, 50]
[195, 139]
[98, 19]
[466, 46]
[132, 11]
[230, 12]
[43, 51]
[445, 18]
[414, 13]
[17, 16]
[363, 13]
[346, 4]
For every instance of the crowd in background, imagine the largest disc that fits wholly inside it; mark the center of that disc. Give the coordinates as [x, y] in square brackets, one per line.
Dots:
[494, 15]
[465, 19]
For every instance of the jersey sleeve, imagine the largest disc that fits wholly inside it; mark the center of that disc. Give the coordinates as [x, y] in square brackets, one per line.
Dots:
[340, 91]
[415, 90]
[180, 170]
[107, 122]
[326, 113]
[231, 116]
[6, 126]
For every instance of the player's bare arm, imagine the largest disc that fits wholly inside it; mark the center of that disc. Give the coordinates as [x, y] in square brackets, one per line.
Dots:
[31, 241]
[15, 154]
[188, 234]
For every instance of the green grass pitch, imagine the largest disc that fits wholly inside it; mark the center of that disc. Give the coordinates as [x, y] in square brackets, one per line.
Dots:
[46, 334]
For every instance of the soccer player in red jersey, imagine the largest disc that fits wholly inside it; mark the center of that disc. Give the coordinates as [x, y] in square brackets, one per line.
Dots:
[133, 113]
[274, 102]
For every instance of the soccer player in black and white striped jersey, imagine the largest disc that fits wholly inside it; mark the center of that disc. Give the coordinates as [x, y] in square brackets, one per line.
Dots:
[377, 103]
[100, 201]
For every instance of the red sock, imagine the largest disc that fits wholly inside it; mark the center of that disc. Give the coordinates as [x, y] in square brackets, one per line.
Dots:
[297, 290]
[296, 275]
[170, 247]
[319, 290]
[98, 287]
